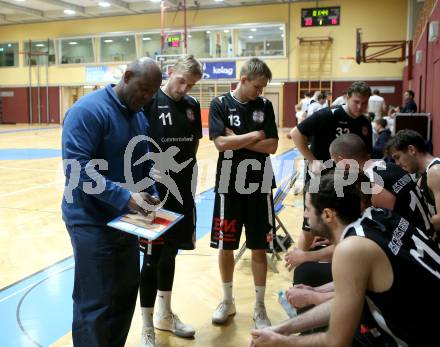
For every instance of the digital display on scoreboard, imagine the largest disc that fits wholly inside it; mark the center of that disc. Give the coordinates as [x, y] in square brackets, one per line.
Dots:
[173, 40]
[320, 16]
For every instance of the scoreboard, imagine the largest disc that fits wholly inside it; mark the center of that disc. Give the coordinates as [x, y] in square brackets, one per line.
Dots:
[320, 16]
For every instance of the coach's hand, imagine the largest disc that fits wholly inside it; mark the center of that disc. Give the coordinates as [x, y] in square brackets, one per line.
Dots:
[143, 203]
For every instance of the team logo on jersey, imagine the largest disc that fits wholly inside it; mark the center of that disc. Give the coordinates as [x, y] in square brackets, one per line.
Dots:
[365, 131]
[258, 116]
[190, 114]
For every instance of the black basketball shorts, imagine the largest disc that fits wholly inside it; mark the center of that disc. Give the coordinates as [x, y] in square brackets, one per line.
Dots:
[233, 211]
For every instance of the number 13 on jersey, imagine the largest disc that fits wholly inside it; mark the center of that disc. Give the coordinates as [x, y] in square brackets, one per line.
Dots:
[234, 120]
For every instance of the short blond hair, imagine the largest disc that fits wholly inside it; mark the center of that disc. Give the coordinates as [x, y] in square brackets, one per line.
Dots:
[255, 68]
[189, 64]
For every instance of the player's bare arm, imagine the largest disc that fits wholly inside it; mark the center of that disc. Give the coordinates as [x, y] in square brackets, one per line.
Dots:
[297, 256]
[384, 198]
[302, 143]
[267, 146]
[351, 269]
[434, 186]
[233, 142]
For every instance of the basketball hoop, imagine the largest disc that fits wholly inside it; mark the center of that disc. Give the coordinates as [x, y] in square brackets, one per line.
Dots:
[346, 64]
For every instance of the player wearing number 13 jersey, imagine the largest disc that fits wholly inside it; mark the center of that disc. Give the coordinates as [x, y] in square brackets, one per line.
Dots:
[242, 126]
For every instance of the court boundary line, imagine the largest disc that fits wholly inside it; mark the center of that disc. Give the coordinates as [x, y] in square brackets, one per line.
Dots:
[30, 129]
[34, 274]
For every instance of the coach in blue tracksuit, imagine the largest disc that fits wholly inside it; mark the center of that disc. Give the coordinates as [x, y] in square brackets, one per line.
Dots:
[100, 185]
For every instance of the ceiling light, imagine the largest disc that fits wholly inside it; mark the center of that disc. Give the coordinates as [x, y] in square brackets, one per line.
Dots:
[69, 12]
[146, 38]
[155, 0]
[208, 31]
[108, 41]
[226, 31]
[20, 0]
[281, 28]
[189, 36]
[127, 39]
[9, 45]
[39, 45]
[104, 4]
[282, 35]
[218, 0]
[253, 29]
[73, 43]
[250, 37]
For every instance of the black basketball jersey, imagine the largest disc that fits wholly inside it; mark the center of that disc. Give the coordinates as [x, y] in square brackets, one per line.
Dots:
[325, 125]
[409, 200]
[242, 118]
[427, 195]
[404, 311]
[178, 124]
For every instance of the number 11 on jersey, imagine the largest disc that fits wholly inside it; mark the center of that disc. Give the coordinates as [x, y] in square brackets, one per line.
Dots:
[164, 118]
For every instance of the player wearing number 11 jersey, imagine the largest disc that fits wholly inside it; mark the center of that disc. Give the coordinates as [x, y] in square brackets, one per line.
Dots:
[175, 127]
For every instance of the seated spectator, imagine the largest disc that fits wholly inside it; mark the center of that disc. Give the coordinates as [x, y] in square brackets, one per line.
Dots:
[409, 107]
[410, 104]
[383, 135]
[316, 106]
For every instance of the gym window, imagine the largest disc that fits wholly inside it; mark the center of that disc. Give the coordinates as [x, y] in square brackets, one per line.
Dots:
[38, 52]
[118, 48]
[8, 54]
[77, 51]
[260, 40]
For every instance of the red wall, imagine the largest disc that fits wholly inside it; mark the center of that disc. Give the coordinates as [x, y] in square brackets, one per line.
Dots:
[426, 79]
[290, 97]
[15, 109]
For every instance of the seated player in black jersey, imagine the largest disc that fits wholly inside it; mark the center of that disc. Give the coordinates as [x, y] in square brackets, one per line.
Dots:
[242, 126]
[175, 127]
[393, 189]
[321, 128]
[409, 150]
[379, 259]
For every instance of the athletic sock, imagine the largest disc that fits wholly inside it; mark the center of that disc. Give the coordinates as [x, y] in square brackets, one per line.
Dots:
[259, 294]
[163, 303]
[227, 291]
[147, 316]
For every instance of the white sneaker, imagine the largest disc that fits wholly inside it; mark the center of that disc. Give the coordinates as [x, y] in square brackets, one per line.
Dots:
[260, 317]
[170, 322]
[148, 338]
[223, 311]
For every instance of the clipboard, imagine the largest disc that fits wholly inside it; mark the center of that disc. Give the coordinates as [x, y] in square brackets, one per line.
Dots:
[147, 227]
